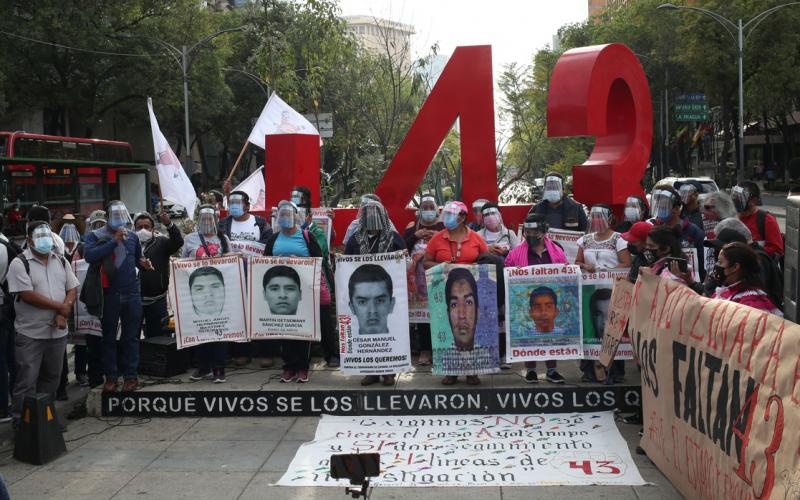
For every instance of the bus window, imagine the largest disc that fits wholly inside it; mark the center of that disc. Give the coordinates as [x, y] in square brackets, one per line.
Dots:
[28, 148]
[91, 194]
[59, 189]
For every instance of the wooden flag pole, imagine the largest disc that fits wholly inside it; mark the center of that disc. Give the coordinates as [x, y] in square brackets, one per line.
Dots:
[235, 165]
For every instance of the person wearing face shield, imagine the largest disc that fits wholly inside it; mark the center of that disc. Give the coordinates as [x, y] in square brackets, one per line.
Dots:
[373, 236]
[351, 229]
[716, 207]
[690, 197]
[40, 213]
[764, 226]
[293, 241]
[602, 247]
[240, 224]
[116, 249]
[737, 272]
[497, 236]
[417, 235]
[301, 197]
[157, 248]
[537, 249]
[665, 207]
[635, 211]
[46, 291]
[456, 244]
[477, 205]
[559, 210]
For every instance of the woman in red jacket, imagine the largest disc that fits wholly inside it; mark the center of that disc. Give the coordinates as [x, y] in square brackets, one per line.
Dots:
[739, 273]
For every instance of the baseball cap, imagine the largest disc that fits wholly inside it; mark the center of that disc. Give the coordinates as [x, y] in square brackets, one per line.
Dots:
[723, 238]
[637, 232]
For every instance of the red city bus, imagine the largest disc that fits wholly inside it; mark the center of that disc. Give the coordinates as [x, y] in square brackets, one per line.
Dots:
[67, 174]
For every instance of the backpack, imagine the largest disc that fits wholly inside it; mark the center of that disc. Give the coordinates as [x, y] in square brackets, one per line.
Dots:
[771, 276]
[12, 250]
[761, 225]
[92, 291]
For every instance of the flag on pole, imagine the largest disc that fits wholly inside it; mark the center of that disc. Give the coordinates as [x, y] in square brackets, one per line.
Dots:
[255, 188]
[172, 179]
[277, 117]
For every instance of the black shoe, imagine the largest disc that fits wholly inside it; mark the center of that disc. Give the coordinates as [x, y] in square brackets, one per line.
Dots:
[531, 377]
[201, 375]
[554, 377]
[333, 362]
[219, 376]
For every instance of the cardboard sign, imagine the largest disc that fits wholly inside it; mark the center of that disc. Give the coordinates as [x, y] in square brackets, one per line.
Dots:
[617, 320]
[721, 392]
[568, 241]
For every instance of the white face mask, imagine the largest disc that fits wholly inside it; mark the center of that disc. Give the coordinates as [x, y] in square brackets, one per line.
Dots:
[144, 235]
[631, 214]
[552, 196]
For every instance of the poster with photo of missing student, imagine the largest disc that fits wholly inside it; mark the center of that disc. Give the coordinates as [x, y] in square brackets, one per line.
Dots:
[283, 298]
[372, 308]
[596, 290]
[209, 300]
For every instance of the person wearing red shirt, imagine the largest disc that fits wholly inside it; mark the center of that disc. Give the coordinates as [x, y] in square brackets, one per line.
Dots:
[457, 244]
[747, 198]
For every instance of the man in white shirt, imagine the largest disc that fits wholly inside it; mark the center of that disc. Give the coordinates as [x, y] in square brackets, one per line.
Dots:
[241, 225]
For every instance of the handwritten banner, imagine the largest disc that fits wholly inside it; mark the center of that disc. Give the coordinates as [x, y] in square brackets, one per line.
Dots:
[372, 306]
[283, 298]
[543, 313]
[471, 450]
[568, 241]
[209, 300]
[615, 331]
[721, 393]
[596, 293]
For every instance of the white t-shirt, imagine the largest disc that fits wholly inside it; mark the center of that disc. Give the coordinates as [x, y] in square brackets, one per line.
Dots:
[602, 254]
[504, 238]
[246, 230]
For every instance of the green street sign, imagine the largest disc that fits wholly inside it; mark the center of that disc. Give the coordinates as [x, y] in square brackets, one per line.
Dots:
[691, 117]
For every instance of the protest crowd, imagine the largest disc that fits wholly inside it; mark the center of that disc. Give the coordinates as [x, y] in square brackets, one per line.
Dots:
[127, 261]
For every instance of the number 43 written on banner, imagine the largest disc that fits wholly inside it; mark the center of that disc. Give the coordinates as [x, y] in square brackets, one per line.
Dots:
[582, 465]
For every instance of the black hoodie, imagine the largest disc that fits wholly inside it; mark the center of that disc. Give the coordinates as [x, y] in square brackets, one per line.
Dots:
[158, 250]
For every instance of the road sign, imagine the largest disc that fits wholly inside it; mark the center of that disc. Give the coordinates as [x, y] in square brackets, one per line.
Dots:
[323, 123]
[691, 108]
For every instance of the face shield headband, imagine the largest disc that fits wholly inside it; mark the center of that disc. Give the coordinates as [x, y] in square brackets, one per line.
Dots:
[661, 204]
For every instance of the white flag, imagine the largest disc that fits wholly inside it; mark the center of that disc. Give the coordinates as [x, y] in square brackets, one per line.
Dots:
[277, 117]
[172, 179]
[255, 188]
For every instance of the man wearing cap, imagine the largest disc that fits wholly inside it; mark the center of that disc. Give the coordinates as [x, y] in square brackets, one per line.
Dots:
[636, 237]
[118, 253]
[763, 225]
[157, 248]
[46, 290]
[559, 210]
[690, 196]
[241, 225]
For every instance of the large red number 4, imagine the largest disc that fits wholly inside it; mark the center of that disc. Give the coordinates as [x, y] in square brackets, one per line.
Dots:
[602, 91]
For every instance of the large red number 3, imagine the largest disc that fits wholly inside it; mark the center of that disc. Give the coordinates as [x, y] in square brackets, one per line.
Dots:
[602, 91]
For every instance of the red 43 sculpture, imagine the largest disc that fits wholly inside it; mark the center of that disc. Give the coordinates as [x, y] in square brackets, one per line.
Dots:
[598, 91]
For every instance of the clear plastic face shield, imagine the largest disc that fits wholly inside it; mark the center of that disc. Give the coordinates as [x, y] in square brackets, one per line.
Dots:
[477, 205]
[661, 204]
[118, 216]
[553, 188]
[428, 210]
[285, 215]
[237, 205]
[686, 191]
[42, 238]
[207, 221]
[534, 229]
[600, 219]
[492, 219]
[740, 197]
[633, 209]
[297, 198]
[97, 224]
[450, 214]
[69, 233]
[373, 216]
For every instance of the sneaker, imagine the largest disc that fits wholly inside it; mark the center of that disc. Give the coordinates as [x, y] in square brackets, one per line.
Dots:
[333, 362]
[130, 385]
[505, 366]
[288, 376]
[424, 358]
[369, 380]
[267, 362]
[219, 375]
[201, 375]
[531, 377]
[110, 386]
[302, 376]
[554, 377]
[82, 380]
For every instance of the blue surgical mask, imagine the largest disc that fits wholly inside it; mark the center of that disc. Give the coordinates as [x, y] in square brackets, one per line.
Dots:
[43, 244]
[285, 222]
[428, 215]
[552, 196]
[663, 215]
[296, 201]
[450, 221]
[237, 210]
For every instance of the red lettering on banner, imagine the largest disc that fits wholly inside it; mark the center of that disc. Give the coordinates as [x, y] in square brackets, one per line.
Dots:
[774, 354]
[758, 334]
[602, 91]
[739, 339]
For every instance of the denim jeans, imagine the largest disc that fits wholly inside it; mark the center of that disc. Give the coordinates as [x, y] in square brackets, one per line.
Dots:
[7, 368]
[127, 309]
[211, 356]
[154, 318]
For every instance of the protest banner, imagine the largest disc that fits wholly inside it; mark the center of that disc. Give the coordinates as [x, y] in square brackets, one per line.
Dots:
[615, 331]
[721, 392]
[320, 217]
[372, 306]
[471, 450]
[283, 298]
[543, 313]
[568, 241]
[209, 300]
[462, 301]
[248, 248]
[83, 322]
[691, 256]
[596, 292]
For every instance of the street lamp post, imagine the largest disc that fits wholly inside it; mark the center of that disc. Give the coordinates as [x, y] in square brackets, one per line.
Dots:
[739, 40]
[262, 84]
[183, 56]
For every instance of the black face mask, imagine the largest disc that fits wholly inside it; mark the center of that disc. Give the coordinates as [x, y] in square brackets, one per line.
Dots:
[632, 249]
[719, 274]
[533, 241]
[649, 256]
